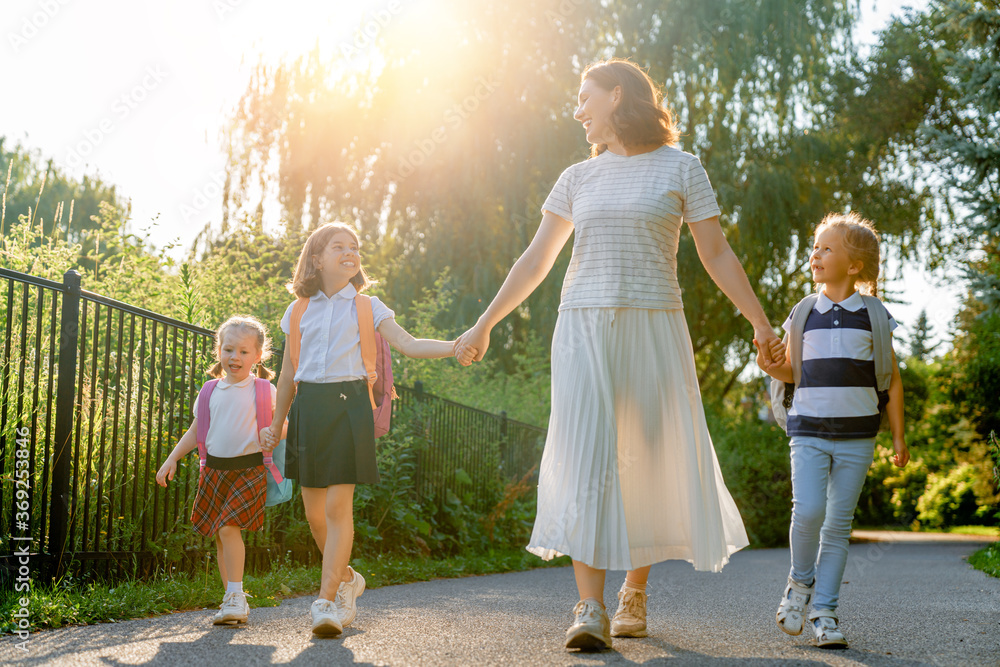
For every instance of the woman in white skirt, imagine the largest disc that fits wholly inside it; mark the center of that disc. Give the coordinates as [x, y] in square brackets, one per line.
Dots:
[629, 476]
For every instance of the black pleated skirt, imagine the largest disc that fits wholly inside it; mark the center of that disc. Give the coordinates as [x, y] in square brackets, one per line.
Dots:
[331, 435]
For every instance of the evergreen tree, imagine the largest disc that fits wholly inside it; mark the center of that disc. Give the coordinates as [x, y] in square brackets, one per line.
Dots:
[920, 341]
[965, 138]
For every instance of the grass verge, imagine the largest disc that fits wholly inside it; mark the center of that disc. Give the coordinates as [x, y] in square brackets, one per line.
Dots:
[987, 560]
[57, 605]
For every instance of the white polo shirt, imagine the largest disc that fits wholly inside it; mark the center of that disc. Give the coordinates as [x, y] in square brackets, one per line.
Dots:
[837, 397]
[233, 428]
[331, 338]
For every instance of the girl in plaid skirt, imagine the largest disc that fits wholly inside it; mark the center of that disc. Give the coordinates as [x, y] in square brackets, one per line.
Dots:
[232, 487]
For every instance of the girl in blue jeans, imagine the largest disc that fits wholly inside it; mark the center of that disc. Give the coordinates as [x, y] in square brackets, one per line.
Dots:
[833, 420]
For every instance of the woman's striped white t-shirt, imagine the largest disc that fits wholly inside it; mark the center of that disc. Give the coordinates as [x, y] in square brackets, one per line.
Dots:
[627, 213]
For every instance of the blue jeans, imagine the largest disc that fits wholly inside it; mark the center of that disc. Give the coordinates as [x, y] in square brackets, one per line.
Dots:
[827, 477]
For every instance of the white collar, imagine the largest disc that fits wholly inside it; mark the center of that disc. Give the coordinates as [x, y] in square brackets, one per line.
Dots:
[852, 303]
[222, 384]
[349, 292]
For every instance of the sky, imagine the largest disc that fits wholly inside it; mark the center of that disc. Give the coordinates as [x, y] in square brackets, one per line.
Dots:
[137, 92]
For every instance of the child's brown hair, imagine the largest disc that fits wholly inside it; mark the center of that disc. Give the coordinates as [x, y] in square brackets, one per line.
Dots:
[862, 244]
[251, 325]
[306, 281]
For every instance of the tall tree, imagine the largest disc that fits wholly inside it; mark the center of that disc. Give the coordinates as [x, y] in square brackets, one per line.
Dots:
[965, 138]
[920, 341]
[59, 206]
[441, 150]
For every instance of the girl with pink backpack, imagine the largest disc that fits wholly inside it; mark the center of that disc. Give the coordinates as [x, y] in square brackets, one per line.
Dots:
[231, 414]
[330, 369]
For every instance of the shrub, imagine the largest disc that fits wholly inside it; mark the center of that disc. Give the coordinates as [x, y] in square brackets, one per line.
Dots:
[754, 459]
[950, 500]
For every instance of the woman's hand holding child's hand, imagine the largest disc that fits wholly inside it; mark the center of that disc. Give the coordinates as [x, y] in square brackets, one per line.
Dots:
[465, 354]
[775, 355]
[471, 346]
[166, 472]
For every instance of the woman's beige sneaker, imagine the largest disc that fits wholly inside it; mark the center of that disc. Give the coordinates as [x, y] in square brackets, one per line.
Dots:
[630, 617]
[591, 630]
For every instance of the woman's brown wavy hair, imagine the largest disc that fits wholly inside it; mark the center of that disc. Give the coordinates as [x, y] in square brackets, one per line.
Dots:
[306, 281]
[639, 119]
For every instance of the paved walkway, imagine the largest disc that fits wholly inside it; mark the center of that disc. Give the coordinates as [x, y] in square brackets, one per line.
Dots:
[902, 603]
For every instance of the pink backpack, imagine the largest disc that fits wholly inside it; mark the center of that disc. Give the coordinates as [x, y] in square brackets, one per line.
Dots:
[375, 355]
[262, 389]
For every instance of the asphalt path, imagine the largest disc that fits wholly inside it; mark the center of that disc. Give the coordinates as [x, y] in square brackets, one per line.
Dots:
[902, 603]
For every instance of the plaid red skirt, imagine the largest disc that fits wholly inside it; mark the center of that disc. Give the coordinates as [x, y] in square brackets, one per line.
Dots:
[229, 498]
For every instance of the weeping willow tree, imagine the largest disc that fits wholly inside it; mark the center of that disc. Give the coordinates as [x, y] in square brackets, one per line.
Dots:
[441, 141]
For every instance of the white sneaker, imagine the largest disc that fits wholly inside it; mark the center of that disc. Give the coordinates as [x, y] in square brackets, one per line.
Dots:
[591, 630]
[792, 609]
[347, 597]
[326, 620]
[630, 617]
[826, 629]
[234, 609]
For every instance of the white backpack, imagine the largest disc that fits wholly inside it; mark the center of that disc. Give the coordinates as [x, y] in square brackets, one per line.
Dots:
[782, 392]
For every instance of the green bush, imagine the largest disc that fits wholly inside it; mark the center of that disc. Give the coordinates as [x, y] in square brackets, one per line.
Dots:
[950, 500]
[890, 494]
[753, 455]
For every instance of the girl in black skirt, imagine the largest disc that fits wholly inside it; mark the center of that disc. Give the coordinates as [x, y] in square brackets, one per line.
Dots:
[331, 437]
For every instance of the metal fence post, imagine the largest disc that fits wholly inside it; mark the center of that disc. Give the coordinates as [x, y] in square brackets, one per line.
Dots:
[69, 335]
[505, 454]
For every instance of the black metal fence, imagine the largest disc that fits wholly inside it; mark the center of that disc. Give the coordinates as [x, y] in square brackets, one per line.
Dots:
[96, 392]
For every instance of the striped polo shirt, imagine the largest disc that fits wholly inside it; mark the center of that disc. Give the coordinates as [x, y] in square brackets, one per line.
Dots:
[837, 398]
[627, 213]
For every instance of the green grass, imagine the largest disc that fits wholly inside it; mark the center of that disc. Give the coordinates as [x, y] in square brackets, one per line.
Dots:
[987, 560]
[58, 605]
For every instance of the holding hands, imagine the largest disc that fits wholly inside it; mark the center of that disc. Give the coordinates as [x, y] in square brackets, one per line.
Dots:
[770, 349]
[268, 440]
[471, 346]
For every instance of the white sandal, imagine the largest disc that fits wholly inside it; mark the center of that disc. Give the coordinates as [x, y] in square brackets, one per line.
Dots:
[791, 611]
[828, 634]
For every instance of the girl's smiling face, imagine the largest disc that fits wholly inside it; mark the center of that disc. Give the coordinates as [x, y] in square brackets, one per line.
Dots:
[830, 262]
[238, 353]
[594, 110]
[340, 260]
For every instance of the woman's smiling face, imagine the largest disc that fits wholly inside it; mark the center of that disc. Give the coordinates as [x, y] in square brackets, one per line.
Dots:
[594, 109]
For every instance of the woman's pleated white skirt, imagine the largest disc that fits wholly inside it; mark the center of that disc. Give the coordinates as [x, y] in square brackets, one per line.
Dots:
[629, 476]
